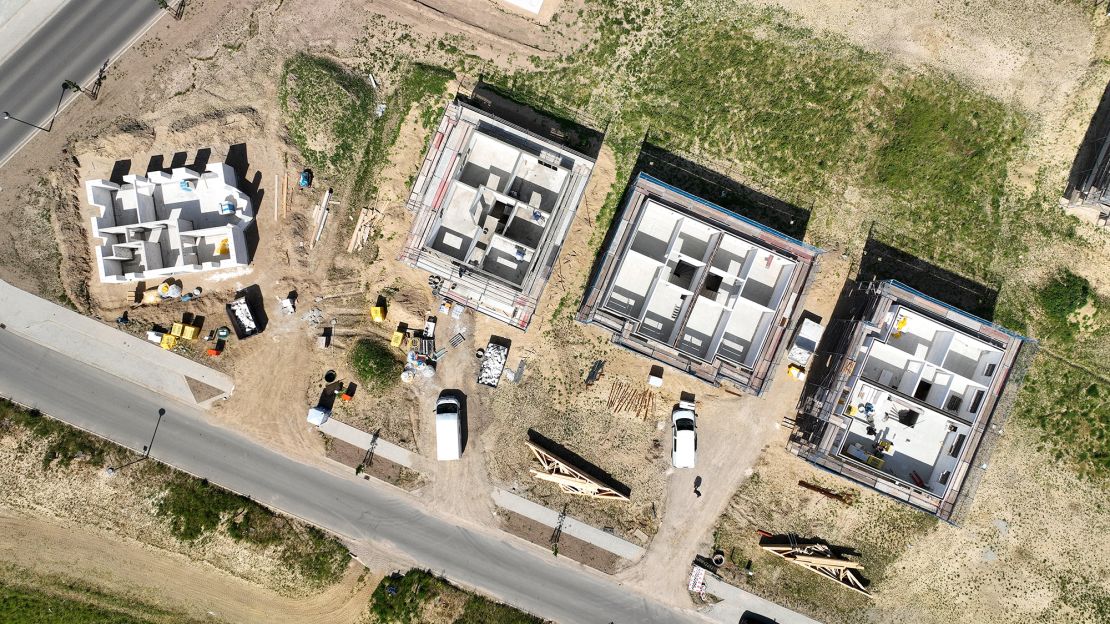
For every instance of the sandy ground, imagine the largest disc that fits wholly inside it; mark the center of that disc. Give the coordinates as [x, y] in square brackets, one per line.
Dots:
[124, 505]
[733, 433]
[132, 569]
[211, 81]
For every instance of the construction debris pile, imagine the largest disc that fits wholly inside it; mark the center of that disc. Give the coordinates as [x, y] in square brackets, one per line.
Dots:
[624, 397]
[421, 356]
[241, 317]
[493, 357]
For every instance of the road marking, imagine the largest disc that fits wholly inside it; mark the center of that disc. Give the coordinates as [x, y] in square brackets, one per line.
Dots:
[73, 96]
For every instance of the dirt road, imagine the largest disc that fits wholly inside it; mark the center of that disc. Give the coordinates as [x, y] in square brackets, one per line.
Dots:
[129, 568]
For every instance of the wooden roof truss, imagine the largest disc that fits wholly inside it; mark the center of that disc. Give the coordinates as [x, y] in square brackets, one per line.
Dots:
[819, 558]
[568, 478]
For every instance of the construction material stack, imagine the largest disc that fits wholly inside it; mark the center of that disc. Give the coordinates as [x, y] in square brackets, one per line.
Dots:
[493, 364]
[242, 319]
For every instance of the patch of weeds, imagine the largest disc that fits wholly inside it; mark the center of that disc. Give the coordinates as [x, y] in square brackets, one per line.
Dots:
[26, 605]
[403, 599]
[945, 143]
[942, 165]
[195, 508]
[375, 363]
[327, 111]
[65, 444]
[421, 83]
[1070, 408]
[1059, 299]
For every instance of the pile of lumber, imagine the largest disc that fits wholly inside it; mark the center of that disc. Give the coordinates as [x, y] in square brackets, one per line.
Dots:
[624, 397]
[820, 559]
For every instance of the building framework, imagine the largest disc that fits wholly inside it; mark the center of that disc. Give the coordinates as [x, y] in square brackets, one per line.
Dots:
[910, 390]
[493, 205]
[698, 287]
[165, 224]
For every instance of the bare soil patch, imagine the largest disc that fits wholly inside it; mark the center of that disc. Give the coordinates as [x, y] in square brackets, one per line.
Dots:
[569, 546]
[362, 463]
[129, 568]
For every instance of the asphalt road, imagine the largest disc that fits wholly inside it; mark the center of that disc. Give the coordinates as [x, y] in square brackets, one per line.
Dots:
[485, 558]
[72, 45]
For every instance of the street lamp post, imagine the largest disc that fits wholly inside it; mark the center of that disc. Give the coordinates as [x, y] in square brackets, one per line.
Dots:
[8, 116]
[112, 470]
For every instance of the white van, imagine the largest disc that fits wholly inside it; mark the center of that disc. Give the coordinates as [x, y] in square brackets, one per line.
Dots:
[448, 429]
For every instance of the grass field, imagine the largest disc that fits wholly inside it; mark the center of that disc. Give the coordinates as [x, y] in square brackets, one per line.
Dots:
[801, 114]
[849, 136]
[28, 598]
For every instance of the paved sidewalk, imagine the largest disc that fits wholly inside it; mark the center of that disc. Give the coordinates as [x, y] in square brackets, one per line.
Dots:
[735, 601]
[364, 440]
[19, 19]
[109, 349]
[576, 528]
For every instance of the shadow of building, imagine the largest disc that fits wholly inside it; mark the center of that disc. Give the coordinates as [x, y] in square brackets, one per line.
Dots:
[545, 124]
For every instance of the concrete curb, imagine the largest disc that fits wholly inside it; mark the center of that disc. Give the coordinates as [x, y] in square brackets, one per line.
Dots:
[364, 440]
[106, 348]
[571, 526]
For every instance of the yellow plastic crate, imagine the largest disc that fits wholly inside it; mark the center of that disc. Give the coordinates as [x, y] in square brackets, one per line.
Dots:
[177, 329]
[190, 332]
[168, 341]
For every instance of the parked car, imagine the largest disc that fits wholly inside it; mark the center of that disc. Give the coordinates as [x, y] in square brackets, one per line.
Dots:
[448, 428]
[684, 446]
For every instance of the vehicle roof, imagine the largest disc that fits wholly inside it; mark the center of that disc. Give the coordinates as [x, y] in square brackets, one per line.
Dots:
[683, 454]
[447, 436]
[682, 413]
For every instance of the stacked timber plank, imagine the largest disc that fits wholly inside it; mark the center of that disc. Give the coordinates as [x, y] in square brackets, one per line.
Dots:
[625, 398]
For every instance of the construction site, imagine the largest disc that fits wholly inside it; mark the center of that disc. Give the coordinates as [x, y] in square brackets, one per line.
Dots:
[692, 285]
[909, 396]
[430, 284]
[493, 204]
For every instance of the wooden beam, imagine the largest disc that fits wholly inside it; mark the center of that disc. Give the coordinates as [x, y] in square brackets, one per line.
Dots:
[845, 572]
[568, 478]
[827, 562]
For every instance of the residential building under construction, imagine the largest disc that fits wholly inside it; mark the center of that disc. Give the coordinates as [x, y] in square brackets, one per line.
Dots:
[696, 286]
[911, 389]
[493, 205]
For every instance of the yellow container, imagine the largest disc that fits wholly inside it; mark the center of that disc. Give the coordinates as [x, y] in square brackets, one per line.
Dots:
[177, 329]
[168, 341]
[397, 339]
[190, 332]
[377, 314]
